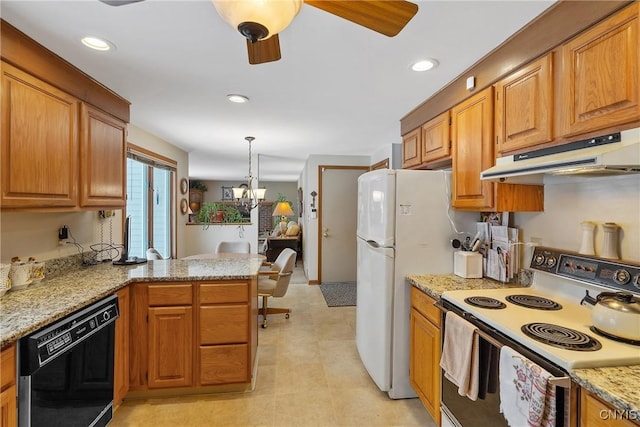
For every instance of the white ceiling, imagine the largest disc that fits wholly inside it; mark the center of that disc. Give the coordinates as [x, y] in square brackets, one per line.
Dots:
[339, 89]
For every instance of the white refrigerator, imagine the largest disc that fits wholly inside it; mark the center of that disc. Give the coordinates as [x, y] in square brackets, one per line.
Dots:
[405, 226]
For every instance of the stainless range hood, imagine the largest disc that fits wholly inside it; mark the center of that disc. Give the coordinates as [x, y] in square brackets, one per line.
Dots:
[612, 154]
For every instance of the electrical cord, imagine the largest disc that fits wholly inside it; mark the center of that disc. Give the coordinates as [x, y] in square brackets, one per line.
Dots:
[92, 258]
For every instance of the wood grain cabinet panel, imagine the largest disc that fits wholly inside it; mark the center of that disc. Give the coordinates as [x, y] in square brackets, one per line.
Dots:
[524, 107]
[424, 357]
[102, 159]
[596, 413]
[412, 149]
[436, 139]
[600, 74]
[472, 127]
[39, 143]
[170, 347]
[8, 402]
[224, 364]
[121, 356]
[224, 324]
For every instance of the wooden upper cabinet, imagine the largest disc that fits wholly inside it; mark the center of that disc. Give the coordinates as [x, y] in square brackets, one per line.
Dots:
[524, 107]
[411, 149]
[600, 74]
[39, 143]
[472, 131]
[436, 140]
[102, 159]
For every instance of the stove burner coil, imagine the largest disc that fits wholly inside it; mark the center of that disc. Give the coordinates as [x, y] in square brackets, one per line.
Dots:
[532, 301]
[485, 302]
[613, 337]
[561, 337]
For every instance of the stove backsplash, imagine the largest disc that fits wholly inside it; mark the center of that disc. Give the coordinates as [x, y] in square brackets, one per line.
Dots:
[571, 200]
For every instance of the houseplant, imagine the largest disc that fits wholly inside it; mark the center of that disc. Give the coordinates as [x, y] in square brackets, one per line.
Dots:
[211, 212]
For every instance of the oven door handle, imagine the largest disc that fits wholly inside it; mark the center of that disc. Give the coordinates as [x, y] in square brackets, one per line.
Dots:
[564, 382]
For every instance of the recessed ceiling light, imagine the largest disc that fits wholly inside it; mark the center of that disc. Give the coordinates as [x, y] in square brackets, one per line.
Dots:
[238, 99]
[424, 65]
[97, 43]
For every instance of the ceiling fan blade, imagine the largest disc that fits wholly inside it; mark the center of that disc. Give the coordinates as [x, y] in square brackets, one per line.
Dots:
[119, 2]
[262, 51]
[387, 17]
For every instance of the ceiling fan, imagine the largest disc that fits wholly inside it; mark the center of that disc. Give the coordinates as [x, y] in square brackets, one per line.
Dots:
[260, 21]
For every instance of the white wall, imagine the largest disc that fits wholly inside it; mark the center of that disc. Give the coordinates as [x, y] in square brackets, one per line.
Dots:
[393, 152]
[569, 201]
[159, 146]
[204, 239]
[310, 183]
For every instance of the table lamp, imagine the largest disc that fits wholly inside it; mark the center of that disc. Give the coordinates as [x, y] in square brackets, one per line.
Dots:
[283, 210]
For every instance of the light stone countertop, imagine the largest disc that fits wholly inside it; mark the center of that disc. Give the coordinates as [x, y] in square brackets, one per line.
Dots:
[435, 284]
[27, 310]
[618, 386]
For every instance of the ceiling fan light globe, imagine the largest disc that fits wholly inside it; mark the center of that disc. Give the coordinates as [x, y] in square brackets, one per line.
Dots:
[274, 15]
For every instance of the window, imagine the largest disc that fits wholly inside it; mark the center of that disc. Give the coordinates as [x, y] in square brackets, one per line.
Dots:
[150, 198]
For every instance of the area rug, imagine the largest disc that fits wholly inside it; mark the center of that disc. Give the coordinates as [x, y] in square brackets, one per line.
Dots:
[342, 294]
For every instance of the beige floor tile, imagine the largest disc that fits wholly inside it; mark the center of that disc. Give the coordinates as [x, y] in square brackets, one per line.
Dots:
[309, 374]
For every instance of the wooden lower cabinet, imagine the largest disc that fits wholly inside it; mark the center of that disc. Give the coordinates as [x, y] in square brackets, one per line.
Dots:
[121, 357]
[8, 401]
[424, 359]
[596, 413]
[191, 335]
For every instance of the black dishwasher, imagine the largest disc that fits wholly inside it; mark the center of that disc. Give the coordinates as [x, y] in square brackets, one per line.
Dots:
[66, 369]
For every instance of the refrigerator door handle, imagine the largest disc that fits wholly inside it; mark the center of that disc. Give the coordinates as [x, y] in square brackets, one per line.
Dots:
[373, 243]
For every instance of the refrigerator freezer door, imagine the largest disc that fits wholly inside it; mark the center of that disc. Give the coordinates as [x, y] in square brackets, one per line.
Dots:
[374, 311]
[377, 206]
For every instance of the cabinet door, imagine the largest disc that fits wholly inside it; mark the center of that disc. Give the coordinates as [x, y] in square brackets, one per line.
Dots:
[424, 363]
[224, 364]
[595, 413]
[436, 141]
[8, 412]
[472, 127]
[600, 74]
[411, 149]
[102, 159]
[121, 359]
[39, 143]
[170, 347]
[524, 107]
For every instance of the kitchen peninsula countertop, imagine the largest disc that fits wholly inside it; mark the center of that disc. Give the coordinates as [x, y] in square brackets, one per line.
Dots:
[616, 385]
[27, 310]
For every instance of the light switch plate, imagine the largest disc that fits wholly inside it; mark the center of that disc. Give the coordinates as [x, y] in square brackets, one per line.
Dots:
[471, 82]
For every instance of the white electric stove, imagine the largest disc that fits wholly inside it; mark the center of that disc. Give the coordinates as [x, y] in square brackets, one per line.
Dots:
[559, 284]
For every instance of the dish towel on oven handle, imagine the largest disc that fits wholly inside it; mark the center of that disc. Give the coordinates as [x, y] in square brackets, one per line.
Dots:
[460, 355]
[527, 399]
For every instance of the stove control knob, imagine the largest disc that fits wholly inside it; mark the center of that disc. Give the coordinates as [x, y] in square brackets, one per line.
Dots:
[551, 261]
[538, 259]
[621, 277]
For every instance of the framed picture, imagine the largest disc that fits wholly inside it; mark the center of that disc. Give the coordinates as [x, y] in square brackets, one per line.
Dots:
[227, 193]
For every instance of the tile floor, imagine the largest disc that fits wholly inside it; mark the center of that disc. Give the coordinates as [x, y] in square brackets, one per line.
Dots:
[309, 374]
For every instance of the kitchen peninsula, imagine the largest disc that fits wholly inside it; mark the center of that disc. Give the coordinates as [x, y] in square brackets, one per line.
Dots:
[204, 307]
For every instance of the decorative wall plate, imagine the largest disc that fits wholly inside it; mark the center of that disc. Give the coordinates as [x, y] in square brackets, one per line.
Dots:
[184, 206]
[184, 186]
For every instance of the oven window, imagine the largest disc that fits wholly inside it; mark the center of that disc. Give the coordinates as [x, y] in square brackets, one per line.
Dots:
[479, 413]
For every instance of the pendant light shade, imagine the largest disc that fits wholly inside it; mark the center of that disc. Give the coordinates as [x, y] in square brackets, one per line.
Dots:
[258, 19]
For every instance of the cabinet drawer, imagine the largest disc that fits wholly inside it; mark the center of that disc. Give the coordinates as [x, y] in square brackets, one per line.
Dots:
[216, 293]
[8, 366]
[224, 324]
[224, 364]
[425, 305]
[170, 294]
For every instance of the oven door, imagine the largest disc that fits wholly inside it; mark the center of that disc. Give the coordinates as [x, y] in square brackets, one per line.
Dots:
[459, 411]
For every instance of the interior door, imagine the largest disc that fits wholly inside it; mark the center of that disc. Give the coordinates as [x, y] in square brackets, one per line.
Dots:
[338, 219]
